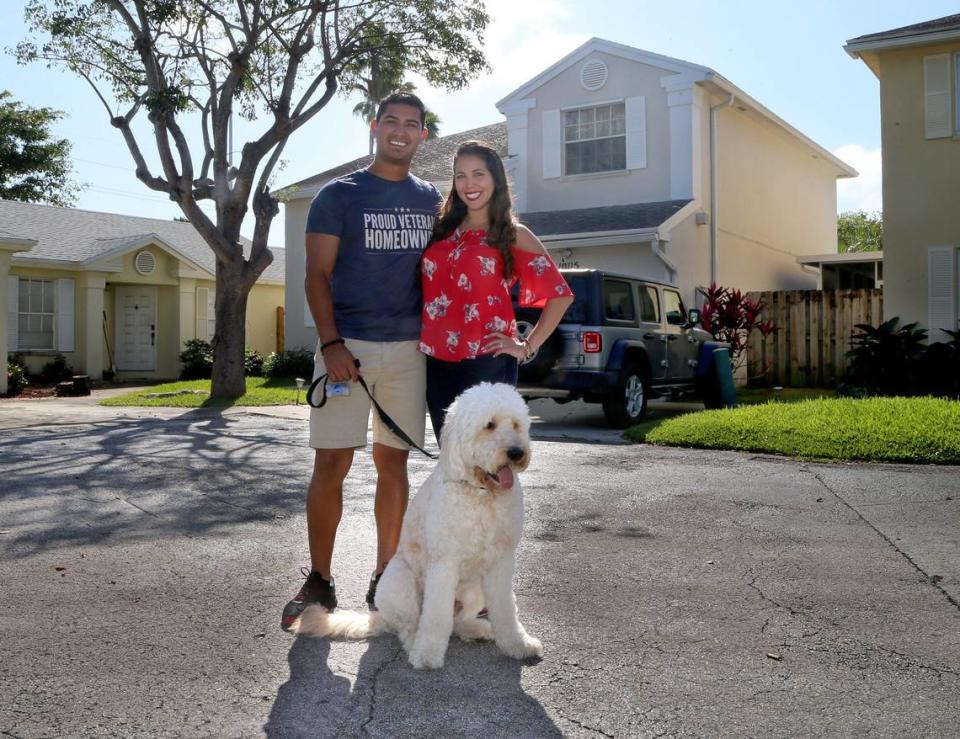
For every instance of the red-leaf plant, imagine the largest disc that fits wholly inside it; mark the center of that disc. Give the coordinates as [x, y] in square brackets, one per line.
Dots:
[731, 317]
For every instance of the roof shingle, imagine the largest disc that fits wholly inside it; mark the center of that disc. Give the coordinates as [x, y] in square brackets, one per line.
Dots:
[74, 235]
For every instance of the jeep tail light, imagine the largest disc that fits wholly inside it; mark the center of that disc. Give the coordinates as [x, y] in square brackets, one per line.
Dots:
[592, 342]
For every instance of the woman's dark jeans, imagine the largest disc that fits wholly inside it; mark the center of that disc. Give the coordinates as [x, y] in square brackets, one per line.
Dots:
[446, 380]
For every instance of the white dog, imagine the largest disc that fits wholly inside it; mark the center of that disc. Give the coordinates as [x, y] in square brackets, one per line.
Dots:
[458, 541]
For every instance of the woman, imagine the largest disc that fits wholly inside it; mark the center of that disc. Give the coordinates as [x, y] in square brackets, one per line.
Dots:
[477, 252]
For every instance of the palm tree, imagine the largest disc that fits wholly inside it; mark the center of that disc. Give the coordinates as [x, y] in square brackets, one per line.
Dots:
[386, 77]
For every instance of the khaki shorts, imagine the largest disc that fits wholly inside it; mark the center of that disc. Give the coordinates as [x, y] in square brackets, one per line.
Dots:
[395, 372]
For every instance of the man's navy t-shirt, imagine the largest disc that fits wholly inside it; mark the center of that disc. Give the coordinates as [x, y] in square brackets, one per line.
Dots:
[383, 226]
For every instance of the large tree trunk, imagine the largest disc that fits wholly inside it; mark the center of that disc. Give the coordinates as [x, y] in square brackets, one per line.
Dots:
[230, 337]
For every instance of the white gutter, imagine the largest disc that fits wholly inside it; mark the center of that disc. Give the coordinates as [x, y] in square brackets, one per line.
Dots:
[714, 261]
[659, 253]
[854, 47]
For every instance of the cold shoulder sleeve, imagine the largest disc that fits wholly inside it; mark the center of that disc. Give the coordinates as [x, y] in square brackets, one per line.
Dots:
[540, 280]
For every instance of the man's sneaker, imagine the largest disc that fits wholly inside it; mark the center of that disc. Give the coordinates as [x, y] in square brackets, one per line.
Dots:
[315, 590]
[372, 590]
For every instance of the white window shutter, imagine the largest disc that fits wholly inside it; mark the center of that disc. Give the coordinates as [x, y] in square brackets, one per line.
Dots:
[936, 96]
[65, 313]
[941, 268]
[635, 110]
[203, 303]
[13, 313]
[552, 144]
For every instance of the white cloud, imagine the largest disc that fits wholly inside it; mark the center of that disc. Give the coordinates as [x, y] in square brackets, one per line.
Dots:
[864, 192]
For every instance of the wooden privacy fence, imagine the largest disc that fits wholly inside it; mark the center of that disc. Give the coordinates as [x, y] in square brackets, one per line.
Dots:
[811, 336]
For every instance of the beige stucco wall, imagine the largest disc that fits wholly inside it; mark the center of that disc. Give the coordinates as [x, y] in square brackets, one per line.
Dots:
[626, 79]
[95, 295]
[262, 317]
[921, 182]
[776, 200]
[35, 359]
[298, 335]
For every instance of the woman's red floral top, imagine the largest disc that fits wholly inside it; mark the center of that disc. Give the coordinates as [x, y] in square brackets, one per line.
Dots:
[466, 297]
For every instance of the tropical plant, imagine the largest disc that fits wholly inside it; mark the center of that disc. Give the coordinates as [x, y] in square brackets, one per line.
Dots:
[729, 316]
[941, 367]
[884, 360]
[185, 63]
[384, 75]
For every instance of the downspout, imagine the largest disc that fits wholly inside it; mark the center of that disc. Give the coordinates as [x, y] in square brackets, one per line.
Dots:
[713, 186]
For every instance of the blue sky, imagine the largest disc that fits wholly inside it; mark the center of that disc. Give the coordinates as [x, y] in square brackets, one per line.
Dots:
[786, 55]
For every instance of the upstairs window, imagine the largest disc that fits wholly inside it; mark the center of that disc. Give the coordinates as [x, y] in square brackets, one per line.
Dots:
[595, 139]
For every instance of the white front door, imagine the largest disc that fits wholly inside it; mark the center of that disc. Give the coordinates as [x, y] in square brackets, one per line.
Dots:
[136, 328]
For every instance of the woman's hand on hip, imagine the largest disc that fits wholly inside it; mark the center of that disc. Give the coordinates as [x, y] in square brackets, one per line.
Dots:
[498, 343]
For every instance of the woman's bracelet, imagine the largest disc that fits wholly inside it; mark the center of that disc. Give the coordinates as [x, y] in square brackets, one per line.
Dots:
[338, 340]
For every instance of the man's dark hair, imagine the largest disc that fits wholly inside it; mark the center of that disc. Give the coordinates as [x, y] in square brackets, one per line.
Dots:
[403, 98]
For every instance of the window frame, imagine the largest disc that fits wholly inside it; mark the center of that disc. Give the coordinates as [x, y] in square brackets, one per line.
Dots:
[24, 289]
[683, 309]
[630, 321]
[565, 142]
[956, 94]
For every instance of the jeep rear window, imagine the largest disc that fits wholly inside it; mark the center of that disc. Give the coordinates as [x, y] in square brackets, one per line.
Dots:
[577, 312]
[618, 301]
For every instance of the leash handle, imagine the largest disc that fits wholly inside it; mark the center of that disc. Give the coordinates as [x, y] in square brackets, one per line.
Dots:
[384, 416]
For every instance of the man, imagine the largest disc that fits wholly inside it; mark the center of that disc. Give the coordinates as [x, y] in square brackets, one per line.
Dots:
[365, 234]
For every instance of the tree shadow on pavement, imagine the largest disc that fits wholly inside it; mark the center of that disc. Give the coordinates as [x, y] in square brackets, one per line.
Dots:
[121, 479]
[478, 692]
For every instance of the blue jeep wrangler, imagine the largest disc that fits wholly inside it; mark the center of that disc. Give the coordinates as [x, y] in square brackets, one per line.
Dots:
[623, 340]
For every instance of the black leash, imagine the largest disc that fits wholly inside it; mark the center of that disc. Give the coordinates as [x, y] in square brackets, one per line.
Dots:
[384, 416]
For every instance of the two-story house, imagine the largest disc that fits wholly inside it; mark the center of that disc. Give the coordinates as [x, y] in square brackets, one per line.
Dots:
[632, 161]
[919, 71]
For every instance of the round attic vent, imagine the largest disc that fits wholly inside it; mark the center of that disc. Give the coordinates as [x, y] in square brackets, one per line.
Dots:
[145, 263]
[593, 74]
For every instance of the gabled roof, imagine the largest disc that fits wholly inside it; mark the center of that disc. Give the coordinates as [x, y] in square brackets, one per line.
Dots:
[594, 45]
[76, 237]
[680, 73]
[927, 32]
[432, 161]
[603, 220]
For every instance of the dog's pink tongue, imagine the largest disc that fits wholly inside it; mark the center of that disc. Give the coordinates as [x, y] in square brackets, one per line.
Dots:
[505, 477]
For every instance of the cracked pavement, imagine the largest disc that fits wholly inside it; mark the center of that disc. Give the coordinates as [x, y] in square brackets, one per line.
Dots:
[145, 556]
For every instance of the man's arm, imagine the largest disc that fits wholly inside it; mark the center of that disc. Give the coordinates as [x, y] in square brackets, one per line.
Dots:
[321, 257]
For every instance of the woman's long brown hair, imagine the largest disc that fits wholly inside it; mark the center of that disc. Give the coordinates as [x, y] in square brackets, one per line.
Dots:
[502, 232]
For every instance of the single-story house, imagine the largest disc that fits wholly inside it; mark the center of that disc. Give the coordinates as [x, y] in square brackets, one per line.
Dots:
[115, 292]
[636, 162]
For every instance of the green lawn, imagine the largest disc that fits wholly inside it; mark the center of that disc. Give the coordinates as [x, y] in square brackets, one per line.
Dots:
[260, 391]
[841, 429]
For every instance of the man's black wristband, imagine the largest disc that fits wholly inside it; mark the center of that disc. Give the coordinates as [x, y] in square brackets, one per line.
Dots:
[338, 340]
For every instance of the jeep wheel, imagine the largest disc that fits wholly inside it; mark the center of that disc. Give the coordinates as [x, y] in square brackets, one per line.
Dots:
[627, 403]
[541, 361]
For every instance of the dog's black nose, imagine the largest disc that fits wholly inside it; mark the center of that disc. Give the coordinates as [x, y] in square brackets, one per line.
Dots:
[515, 454]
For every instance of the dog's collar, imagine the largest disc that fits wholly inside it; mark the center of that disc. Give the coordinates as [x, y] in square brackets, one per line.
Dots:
[468, 483]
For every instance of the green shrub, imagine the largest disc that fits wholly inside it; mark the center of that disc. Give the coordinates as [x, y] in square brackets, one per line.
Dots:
[252, 363]
[56, 370]
[290, 363]
[16, 378]
[941, 367]
[885, 360]
[197, 360]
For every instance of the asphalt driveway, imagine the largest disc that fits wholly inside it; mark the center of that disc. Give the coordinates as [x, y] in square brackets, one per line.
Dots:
[145, 556]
